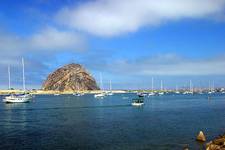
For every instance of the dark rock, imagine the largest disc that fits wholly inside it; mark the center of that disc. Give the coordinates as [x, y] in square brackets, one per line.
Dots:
[70, 78]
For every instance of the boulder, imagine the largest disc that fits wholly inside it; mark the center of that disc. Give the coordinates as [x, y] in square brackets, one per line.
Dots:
[201, 137]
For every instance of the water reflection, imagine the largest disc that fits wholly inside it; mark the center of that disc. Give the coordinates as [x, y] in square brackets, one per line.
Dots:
[15, 114]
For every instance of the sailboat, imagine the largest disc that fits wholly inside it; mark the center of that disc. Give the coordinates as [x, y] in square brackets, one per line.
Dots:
[161, 91]
[102, 94]
[110, 88]
[152, 92]
[18, 98]
[211, 88]
[191, 90]
[177, 91]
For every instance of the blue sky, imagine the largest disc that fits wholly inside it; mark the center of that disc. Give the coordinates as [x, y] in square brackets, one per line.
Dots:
[128, 41]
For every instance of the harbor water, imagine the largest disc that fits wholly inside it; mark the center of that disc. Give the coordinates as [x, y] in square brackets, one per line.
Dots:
[167, 122]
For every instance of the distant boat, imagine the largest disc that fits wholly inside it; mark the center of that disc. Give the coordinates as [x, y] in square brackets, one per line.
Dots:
[191, 90]
[161, 93]
[138, 101]
[152, 92]
[102, 94]
[211, 88]
[161, 90]
[186, 92]
[18, 98]
[110, 89]
[56, 94]
[78, 94]
[177, 91]
[141, 94]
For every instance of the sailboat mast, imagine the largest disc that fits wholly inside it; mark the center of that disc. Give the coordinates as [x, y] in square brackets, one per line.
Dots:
[24, 87]
[101, 87]
[152, 84]
[191, 86]
[161, 85]
[9, 77]
[110, 85]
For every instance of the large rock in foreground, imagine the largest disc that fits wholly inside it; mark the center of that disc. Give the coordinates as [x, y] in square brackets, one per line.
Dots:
[216, 144]
[70, 78]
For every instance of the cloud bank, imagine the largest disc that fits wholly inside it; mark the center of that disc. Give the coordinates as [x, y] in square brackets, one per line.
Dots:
[115, 17]
[169, 65]
[47, 39]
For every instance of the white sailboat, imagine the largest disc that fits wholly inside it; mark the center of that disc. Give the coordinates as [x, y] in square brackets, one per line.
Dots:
[152, 92]
[211, 88]
[191, 89]
[110, 89]
[161, 91]
[9, 77]
[177, 91]
[102, 94]
[18, 98]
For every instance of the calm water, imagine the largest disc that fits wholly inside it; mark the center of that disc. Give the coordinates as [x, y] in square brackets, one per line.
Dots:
[85, 123]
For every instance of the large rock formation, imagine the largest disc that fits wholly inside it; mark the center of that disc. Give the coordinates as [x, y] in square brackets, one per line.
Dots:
[70, 78]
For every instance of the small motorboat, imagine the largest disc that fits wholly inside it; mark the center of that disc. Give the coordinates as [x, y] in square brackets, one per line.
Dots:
[138, 101]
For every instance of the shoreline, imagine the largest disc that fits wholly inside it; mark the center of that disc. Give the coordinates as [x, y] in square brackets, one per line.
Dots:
[217, 143]
[49, 92]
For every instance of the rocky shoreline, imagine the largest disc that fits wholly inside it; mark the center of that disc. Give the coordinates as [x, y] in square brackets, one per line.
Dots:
[216, 144]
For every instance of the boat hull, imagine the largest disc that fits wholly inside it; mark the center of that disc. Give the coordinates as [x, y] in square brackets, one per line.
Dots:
[17, 99]
[137, 104]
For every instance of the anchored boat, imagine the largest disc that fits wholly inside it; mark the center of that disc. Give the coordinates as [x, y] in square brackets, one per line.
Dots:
[138, 101]
[18, 98]
[22, 98]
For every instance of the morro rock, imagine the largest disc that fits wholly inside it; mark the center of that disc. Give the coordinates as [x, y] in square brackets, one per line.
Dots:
[71, 77]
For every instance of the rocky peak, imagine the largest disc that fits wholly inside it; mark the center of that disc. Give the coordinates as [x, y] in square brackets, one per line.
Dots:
[70, 77]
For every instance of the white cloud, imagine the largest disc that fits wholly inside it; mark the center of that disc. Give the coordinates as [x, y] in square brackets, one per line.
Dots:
[48, 39]
[39, 49]
[53, 39]
[170, 65]
[114, 17]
